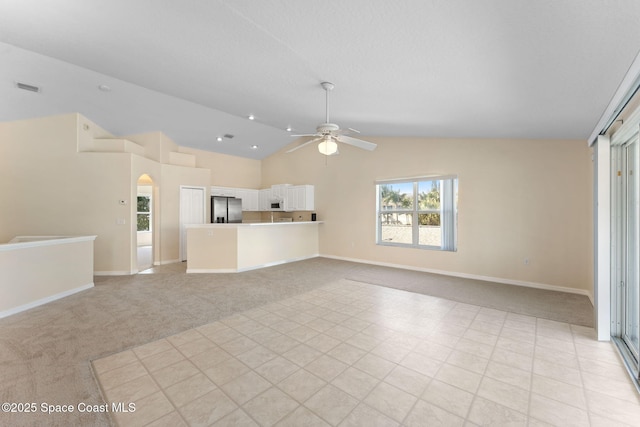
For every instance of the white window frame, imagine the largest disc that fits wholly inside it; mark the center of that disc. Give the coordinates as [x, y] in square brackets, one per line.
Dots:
[448, 212]
[148, 196]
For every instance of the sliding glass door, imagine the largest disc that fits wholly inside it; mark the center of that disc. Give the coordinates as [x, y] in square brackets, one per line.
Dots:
[629, 293]
[625, 254]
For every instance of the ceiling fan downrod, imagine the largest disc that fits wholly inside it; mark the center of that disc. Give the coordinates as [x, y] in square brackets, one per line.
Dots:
[327, 87]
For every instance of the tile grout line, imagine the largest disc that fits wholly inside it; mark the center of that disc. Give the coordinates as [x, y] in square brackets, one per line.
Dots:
[387, 338]
[153, 378]
[475, 394]
[533, 362]
[432, 378]
[584, 389]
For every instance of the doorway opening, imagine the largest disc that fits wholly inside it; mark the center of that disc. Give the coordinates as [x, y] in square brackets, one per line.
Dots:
[144, 221]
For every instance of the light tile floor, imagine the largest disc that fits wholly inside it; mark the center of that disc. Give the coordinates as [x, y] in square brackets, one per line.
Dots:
[354, 354]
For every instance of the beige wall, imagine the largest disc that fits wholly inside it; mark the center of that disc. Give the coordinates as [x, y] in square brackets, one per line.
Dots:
[228, 171]
[53, 183]
[157, 145]
[48, 188]
[212, 249]
[517, 199]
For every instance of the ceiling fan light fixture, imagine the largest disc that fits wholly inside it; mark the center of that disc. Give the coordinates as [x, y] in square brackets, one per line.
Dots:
[328, 146]
[329, 134]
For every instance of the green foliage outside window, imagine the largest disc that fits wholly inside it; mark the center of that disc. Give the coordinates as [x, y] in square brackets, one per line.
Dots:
[427, 201]
[143, 203]
[396, 199]
[144, 216]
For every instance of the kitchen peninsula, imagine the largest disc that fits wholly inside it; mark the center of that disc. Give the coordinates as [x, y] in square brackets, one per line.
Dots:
[230, 248]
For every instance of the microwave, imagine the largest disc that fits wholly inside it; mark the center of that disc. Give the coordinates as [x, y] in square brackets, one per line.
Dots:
[277, 205]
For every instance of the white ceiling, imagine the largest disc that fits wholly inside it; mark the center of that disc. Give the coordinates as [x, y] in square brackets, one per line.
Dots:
[196, 69]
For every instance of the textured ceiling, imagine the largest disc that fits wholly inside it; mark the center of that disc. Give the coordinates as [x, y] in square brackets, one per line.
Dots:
[196, 69]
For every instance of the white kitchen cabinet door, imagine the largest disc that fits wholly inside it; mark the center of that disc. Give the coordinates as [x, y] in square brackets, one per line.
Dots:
[279, 191]
[302, 198]
[241, 194]
[309, 198]
[292, 198]
[264, 199]
[223, 191]
[249, 198]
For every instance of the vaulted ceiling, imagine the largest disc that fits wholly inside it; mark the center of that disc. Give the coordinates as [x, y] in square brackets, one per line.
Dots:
[196, 70]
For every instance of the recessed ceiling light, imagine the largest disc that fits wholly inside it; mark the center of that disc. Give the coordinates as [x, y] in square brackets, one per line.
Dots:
[219, 139]
[289, 129]
[254, 147]
[251, 117]
[104, 88]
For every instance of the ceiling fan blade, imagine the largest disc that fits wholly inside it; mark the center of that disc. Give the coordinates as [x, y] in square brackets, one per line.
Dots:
[306, 134]
[365, 145]
[348, 131]
[304, 144]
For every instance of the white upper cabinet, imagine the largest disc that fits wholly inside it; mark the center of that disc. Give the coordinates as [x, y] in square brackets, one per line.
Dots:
[264, 199]
[294, 197]
[279, 191]
[301, 198]
[249, 199]
[223, 191]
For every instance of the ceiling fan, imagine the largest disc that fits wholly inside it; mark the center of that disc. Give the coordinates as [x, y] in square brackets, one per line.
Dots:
[329, 134]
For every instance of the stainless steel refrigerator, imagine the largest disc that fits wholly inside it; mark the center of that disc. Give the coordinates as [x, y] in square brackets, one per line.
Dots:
[226, 209]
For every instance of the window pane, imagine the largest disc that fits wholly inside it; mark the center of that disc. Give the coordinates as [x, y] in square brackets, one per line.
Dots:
[143, 203]
[396, 228]
[421, 213]
[143, 222]
[428, 195]
[396, 196]
[429, 230]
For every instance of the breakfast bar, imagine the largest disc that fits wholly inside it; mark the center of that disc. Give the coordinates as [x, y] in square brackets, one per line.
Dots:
[231, 248]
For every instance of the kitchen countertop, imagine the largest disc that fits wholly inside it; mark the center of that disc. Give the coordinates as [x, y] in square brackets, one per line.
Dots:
[251, 224]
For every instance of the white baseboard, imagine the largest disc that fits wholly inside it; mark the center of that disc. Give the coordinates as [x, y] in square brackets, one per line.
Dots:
[471, 276]
[271, 264]
[170, 261]
[112, 273]
[45, 300]
[253, 267]
[134, 271]
[211, 270]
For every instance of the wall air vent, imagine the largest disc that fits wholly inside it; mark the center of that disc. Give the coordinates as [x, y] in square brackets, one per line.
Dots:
[30, 88]
[228, 135]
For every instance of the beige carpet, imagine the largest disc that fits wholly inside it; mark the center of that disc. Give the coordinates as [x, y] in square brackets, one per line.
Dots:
[559, 306]
[45, 352]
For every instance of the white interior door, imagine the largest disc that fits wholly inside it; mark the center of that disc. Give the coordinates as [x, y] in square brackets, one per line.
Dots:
[192, 211]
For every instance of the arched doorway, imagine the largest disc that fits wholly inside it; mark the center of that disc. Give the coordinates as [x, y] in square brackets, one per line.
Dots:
[144, 218]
